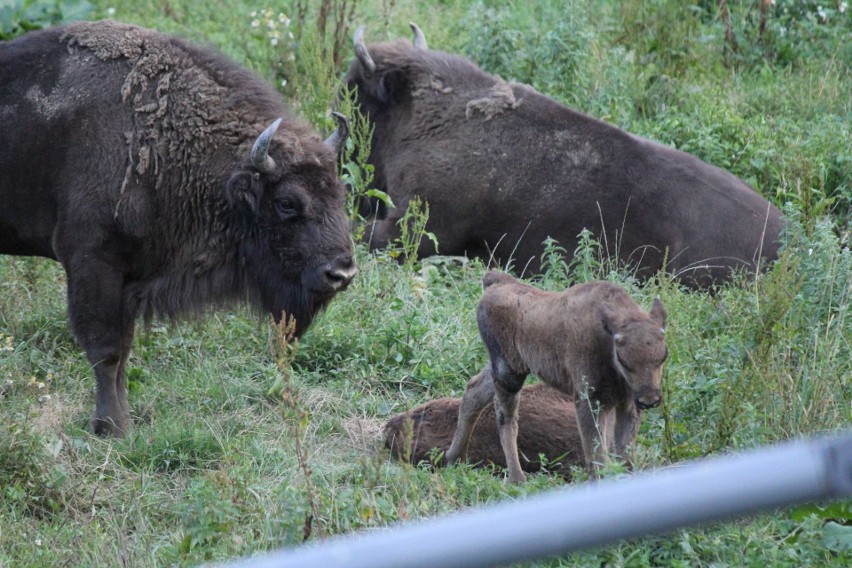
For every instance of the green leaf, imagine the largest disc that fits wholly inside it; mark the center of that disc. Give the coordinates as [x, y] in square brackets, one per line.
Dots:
[837, 537]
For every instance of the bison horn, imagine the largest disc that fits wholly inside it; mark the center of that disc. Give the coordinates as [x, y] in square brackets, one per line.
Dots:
[260, 158]
[339, 136]
[419, 38]
[362, 53]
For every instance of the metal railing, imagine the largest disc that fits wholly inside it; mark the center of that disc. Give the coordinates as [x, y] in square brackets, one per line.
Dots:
[593, 514]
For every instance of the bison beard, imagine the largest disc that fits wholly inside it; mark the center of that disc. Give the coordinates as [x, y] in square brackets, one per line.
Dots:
[503, 168]
[166, 180]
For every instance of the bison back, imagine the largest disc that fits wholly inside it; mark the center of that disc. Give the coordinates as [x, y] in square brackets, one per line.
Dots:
[547, 426]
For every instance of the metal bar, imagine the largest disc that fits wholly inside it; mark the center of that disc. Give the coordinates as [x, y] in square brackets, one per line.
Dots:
[594, 514]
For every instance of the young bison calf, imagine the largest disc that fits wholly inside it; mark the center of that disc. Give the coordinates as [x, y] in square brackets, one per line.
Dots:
[591, 341]
[547, 427]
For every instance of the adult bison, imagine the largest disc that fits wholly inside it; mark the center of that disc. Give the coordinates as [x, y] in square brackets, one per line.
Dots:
[504, 167]
[137, 160]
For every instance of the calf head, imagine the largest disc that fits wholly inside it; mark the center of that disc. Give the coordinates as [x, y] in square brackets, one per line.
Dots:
[295, 248]
[639, 351]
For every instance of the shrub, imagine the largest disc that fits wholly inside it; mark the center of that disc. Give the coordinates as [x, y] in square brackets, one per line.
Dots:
[20, 16]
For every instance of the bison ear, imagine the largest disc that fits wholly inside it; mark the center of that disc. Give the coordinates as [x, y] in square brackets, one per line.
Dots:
[658, 313]
[393, 87]
[606, 321]
[244, 190]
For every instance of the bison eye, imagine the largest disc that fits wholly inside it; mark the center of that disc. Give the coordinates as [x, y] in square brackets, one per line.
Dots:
[285, 209]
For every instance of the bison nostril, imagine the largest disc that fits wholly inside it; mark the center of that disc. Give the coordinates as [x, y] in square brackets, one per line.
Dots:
[339, 275]
[651, 401]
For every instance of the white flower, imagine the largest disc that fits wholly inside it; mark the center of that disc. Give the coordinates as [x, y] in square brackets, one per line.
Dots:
[40, 385]
[821, 13]
[842, 7]
[110, 11]
[44, 398]
[283, 83]
[274, 41]
[38, 542]
[253, 14]
[255, 23]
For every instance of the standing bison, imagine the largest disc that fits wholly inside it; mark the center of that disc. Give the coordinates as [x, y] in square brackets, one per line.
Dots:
[141, 163]
[504, 167]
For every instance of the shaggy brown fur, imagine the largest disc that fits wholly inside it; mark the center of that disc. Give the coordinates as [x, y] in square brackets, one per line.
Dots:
[547, 427]
[591, 341]
[126, 155]
[504, 167]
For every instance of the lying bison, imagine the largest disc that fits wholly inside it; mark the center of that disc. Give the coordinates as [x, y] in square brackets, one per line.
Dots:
[547, 426]
[591, 341]
[504, 167]
[137, 161]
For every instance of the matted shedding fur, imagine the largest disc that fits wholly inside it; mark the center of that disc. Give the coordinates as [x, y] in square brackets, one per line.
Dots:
[500, 98]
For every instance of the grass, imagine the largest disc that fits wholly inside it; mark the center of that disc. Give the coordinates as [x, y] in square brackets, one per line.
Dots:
[217, 468]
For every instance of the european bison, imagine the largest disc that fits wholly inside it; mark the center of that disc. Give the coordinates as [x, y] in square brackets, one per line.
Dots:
[591, 341]
[504, 167]
[140, 162]
[547, 426]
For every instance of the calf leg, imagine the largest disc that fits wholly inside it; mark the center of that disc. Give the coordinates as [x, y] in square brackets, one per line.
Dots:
[506, 407]
[478, 393]
[591, 433]
[105, 331]
[627, 420]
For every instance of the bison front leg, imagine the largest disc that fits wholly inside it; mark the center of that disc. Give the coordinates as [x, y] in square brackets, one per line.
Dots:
[591, 433]
[627, 420]
[478, 393]
[105, 331]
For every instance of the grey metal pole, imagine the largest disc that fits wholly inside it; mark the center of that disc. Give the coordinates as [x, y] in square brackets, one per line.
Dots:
[593, 514]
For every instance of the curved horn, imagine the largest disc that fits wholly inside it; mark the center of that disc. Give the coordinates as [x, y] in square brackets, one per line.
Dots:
[362, 53]
[419, 38]
[260, 151]
[339, 136]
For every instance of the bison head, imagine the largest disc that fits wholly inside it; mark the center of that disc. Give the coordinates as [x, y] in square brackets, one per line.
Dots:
[294, 247]
[638, 353]
[387, 74]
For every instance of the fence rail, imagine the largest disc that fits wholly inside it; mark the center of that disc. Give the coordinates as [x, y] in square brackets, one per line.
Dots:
[590, 515]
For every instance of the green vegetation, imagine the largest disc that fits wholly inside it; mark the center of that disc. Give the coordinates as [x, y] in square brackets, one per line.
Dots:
[244, 441]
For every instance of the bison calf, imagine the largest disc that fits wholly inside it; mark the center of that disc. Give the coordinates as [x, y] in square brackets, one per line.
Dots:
[591, 341]
[547, 426]
[144, 165]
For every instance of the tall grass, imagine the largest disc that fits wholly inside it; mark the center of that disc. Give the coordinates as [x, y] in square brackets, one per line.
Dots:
[220, 465]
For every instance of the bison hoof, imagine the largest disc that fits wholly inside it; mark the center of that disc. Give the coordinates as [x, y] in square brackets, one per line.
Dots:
[518, 478]
[110, 426]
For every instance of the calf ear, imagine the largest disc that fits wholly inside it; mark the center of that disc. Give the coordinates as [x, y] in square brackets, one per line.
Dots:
[658, 312]
[607, 323]
[244, 190]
